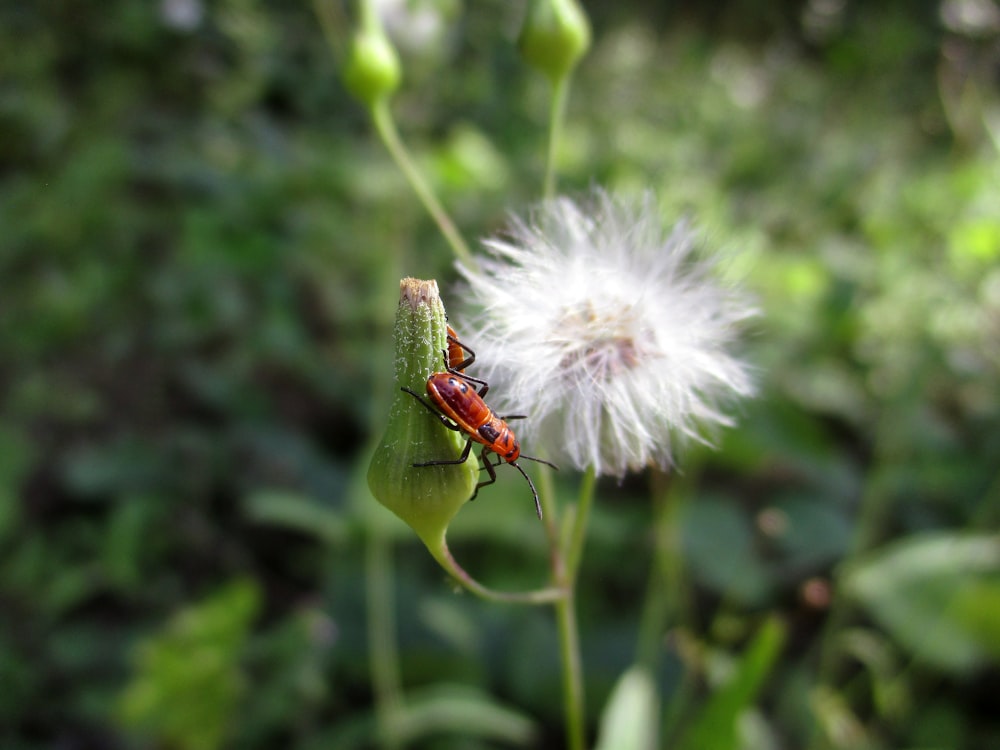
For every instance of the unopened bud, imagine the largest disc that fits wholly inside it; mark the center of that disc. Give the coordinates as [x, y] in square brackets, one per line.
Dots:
[555, 35]
[372, 71]
[425, 497]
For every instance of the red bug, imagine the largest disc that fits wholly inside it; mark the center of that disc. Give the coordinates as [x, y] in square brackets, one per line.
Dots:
[460, 407]
[456, 352]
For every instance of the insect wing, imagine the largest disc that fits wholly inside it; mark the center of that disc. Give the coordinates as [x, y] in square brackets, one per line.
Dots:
[459, 401]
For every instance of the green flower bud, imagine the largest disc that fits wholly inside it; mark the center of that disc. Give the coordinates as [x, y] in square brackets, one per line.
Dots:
[372, 71]
[426, 497]
[555, 35]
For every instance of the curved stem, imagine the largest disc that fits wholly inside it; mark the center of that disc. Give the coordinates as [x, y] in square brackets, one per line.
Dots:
[557, 116]
[386, 128]
[444, 557]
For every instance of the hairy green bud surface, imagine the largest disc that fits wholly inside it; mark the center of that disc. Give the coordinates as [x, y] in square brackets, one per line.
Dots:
[428, 497]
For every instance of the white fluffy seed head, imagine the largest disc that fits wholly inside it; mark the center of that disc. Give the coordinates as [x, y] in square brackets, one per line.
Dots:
[609, 333]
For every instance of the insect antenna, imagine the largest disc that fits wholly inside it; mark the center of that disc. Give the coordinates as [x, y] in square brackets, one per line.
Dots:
[534, 492]
[539, 461]
[538, 505]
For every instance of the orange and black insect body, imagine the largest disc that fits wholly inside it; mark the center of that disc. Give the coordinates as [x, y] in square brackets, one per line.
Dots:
[460, 407]
[456, 353]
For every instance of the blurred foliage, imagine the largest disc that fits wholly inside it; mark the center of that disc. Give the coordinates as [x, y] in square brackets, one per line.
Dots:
[938, 596]
[200, 255]
[630, 720]
[188, 679]
[716, 725]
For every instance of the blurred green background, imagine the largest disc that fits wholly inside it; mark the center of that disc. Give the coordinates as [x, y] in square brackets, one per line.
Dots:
[200, 244]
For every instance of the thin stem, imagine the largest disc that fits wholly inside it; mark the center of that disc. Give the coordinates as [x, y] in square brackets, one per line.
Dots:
[367, 15]
[657, 607]
[444, 557]
[557, 117]
[574, 551]
[546, 496]
[667, 605]
[565, 568]
[386, 128]
[565, 560]
[569, 649]
[653, 621]
[383, 649]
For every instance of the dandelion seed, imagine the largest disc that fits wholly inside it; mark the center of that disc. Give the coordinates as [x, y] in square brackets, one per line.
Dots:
[610, 333]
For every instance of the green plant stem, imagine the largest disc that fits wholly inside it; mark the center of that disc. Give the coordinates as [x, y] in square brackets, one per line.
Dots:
[569, 648]
[367, 15]
[546, 496]
[566, 564]
[574, 549]
[386, 128]
[383, 650]
[444, 557]
[557, 118]
[663, 575]
[667, 604]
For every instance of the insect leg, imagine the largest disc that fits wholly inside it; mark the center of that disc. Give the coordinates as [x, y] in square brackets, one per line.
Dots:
[444, 420]
[454, 371]
[489, 470]
[459, 369]
[467, 362]
[451, 462]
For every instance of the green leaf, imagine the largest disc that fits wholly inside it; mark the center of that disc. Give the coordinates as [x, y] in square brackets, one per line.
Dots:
[298, 513]
[629, 721]
[715, 727]
[459, 709]
[720, 549]
[938, 595]
[436, 710]
[188, 679]
[817, 532]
